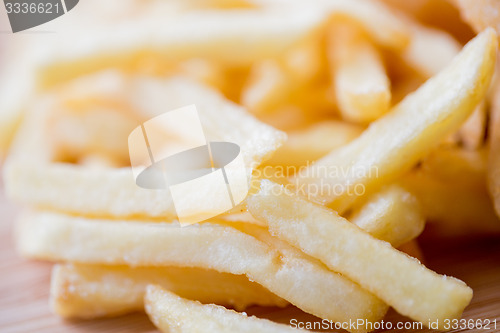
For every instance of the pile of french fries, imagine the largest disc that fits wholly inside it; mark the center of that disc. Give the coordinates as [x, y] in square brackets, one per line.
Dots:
[359, 122]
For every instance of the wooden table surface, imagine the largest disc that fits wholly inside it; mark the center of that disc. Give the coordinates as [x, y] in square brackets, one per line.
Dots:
[24, 286]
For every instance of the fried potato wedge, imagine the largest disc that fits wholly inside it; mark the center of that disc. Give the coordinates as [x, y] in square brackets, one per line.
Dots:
[393, 215]
[92, 291]
[173, 314]
[362, 88]
[395, 142]
[399, 280]
[33, 177]
[329, 295]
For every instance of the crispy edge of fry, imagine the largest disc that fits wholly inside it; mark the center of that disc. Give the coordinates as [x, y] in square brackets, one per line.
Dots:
[58, 237]
[361, 85]
[91, 291]
[393, 215]
[172, 313]
[414, 291]
[395, 142]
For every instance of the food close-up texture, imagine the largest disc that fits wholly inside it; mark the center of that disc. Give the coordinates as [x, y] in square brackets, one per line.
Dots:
[250, 166]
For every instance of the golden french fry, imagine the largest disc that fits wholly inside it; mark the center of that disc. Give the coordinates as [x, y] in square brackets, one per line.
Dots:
[494, 145]
[414, 290]
[173, 314]
[451, 187]
[429, 50]
[307, 145]
[91, 291]
[393, 215]
[268, 85]
[235, 37]
[384, 26]
[472, 132]
[284, 272]
[394, 143]
[32, 177]
[480, 14]
[361, 85]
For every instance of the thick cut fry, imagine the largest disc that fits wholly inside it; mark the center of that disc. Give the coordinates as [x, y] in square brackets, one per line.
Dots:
[393, 215]
[91, 291]
[394, 143]
[32, 177]
[361, 85]
[173, 314]
[307, 145]
[328, 295]
[399, 280]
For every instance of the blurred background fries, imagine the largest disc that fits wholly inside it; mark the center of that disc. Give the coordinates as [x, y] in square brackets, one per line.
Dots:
[370, 135]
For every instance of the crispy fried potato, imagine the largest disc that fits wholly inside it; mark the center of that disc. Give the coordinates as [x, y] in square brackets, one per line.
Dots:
[384, 26]
[473, 131]
[451, 186]
[394, 143]
[393, 215]
[307, 145]
[269, 84]
[494, 144]
[360, 82]
[234, 37]
[32, 177]
[284, 272]
[171, 313]
[399, 280]
[480, 14]
[430, 50]
[91, 291]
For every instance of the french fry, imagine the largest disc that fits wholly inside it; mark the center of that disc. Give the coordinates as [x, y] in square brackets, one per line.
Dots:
[393, 215]
[309, 144]
[361, 85]
[269, 84]
[32, 177]
[173, 314]
[473, 131]
[234, 37]
[494, 145]
[329, 295]
[92, 291]
[429, 50]
[395, 142]
[480, 14]
[414, 290]
[383, 25]
[451, 187]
